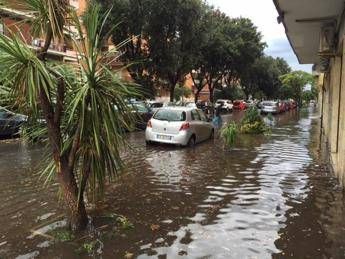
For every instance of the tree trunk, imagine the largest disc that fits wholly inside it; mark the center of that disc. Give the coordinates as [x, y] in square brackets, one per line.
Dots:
[172, 91]
[196, 96]
[211, 90]
[75, 206]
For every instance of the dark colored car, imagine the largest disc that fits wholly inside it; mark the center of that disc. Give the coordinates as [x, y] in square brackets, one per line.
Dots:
[10, 123]
[143, 113]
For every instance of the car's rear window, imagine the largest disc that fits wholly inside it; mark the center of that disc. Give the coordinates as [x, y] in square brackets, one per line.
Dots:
[170, 115]
[269, 104]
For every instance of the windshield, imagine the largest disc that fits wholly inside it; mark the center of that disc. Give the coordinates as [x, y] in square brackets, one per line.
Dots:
[170, 115]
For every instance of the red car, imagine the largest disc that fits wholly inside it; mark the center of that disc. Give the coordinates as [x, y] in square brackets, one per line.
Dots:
[293, 104]
[282, 106]
[239, 105]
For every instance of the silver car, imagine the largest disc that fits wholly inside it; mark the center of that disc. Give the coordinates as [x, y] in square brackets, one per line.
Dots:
[269, 107]
[178, 125]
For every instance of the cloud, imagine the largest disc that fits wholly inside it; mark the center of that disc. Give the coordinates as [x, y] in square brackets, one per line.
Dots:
[281, 48]
[264, 15]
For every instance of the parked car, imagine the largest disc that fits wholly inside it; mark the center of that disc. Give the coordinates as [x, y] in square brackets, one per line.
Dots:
[190, 105]
[250, 103]
[270, 107]
[293, 104]
[10, 122]
[239, 105]
[143, 113]
[186, 104]
[155, 105]
[224, 104]
[282, 106]
[287, 105]
[178, 125]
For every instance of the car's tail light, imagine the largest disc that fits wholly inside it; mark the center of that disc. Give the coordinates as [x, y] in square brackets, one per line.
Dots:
[185, 126]
[149, 124]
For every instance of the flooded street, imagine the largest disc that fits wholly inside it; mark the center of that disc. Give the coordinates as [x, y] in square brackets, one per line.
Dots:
[268, 197]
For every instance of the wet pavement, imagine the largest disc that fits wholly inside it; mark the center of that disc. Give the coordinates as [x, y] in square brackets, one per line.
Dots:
[268, 197]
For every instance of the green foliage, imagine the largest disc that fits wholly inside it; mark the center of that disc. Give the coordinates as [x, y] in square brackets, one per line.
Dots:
[251, 115]
[63, 235]
[83, 105]
[295, 82]
[257, 127]
[125, 223]
[182, 92]
[89, 248]
[231, 93]
[229, 133]
[170, 38]
[261, 78]
[252, 123]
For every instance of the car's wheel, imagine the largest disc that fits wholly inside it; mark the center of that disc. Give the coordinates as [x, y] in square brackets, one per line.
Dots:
[191, 142]
[148, 142]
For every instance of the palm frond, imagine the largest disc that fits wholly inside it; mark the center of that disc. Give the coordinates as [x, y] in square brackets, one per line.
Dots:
[22, 72]
[48, 15]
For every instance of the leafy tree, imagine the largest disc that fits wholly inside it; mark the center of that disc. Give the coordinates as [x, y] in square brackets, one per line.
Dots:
[181, 92]
[130, 18]
[231, 46]
[296, 81]
[172, 30]
[229, 92]
[83, 105]
[263, 75]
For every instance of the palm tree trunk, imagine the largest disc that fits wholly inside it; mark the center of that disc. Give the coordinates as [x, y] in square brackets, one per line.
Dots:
[75, 206]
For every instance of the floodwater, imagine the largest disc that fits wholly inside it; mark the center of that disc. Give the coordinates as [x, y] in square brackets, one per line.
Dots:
[268, 197]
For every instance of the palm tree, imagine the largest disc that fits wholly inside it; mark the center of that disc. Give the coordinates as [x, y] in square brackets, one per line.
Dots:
[83, 104]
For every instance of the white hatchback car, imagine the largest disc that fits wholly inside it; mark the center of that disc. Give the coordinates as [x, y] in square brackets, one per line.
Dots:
[179, 126]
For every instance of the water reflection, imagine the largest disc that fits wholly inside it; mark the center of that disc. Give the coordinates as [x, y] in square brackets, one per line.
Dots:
[268, 196]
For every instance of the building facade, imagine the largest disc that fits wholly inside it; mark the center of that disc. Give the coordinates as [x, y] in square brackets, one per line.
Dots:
[316, 31]
[16, 19]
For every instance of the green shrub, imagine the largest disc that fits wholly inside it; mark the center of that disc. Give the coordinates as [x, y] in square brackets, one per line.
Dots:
[229, 133]
[251, 116]
[252, 123]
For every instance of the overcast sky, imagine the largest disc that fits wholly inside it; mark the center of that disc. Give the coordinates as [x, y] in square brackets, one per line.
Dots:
[264, 15]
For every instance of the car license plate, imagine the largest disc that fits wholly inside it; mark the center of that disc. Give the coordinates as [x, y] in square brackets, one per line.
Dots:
[163, 137]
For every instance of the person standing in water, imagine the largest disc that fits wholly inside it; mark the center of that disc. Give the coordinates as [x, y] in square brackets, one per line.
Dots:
[217, 119]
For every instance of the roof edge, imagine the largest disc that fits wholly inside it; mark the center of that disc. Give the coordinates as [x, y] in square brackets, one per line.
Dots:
[281, 14]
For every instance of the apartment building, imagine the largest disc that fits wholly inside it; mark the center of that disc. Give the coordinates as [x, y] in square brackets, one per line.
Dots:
[14, 17]
[316, 31]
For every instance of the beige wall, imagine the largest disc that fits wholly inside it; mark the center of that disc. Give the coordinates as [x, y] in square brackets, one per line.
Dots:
[332, 103]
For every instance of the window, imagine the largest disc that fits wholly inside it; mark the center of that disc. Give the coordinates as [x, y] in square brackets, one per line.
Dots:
[195, 115]
[202, 115]
[170, 115]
